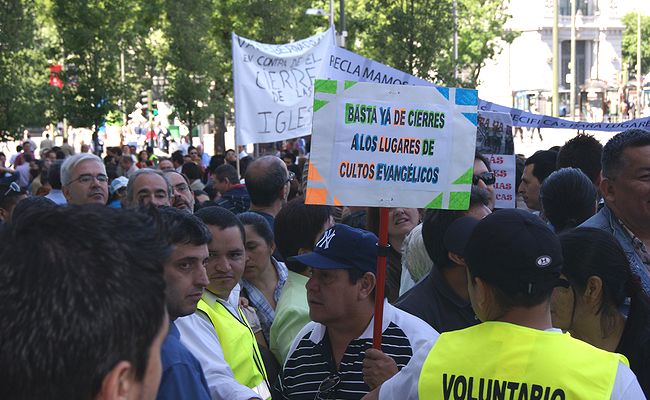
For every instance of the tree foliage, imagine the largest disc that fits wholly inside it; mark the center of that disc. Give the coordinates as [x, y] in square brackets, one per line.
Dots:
[188, 43]
[23, 72]
[629, 43]
[416, 36]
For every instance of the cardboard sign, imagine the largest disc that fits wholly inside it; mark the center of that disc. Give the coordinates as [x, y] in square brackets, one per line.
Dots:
[273, 86]
[392, 145]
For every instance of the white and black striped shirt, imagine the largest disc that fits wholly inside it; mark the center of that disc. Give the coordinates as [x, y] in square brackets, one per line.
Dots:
[310, 361]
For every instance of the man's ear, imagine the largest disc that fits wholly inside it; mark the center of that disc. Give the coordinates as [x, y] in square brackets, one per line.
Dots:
[455, 258]
[118, 382]
[367, 284]
[3, 215]
[284, 192]
[483, 294]
[66, 192]
[594, 293]
[607, 190]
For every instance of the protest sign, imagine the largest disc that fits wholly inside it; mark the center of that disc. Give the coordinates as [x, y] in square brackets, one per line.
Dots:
[392, 145]
[273, 87]
[504, 167]
[494, 140]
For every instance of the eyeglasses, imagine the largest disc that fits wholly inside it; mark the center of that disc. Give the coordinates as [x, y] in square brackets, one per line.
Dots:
[487, 177]
[291, 176]
[87, 178]
[181, 187]
[327, 387]
[13, 187]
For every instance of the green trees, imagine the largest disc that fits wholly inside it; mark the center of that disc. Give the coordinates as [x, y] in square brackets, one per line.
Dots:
[185, 45]
[23, 70]
[629, 45]
[416, 36]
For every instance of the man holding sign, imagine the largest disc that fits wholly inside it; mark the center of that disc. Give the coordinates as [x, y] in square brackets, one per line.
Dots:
[326, 359]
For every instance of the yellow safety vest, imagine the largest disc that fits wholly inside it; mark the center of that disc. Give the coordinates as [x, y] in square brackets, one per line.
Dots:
[239, 347]
[498, 360]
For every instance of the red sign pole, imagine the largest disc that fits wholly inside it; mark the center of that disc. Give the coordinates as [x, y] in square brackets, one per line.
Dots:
[381, 277]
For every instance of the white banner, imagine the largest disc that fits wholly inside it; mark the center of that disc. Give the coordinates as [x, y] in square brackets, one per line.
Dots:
[273, 86]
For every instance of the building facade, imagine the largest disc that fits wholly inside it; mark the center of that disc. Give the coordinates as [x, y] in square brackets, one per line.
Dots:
[522, 75]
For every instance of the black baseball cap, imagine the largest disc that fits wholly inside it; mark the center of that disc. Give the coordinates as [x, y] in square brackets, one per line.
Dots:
[512, 250]
[457, 234]
[343, 247]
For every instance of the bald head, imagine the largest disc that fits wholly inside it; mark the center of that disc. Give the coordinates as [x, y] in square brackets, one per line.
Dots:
[266, 181]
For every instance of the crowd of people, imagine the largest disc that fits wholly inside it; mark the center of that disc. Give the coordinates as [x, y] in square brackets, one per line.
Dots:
[195, 277]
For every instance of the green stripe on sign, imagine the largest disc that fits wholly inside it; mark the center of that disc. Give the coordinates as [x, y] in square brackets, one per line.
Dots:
[465, 178]
[459, 200]
[325, 86]
[318, 104]
[349, 84]
[436, 202]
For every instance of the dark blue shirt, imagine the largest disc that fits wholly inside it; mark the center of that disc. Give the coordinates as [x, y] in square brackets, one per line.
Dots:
[182, 376]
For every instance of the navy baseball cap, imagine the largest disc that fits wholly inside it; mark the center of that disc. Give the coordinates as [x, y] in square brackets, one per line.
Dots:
[514, 251]
[343, 247]
[458, 233]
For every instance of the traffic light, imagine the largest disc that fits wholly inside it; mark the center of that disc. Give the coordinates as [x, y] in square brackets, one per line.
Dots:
[145, 100]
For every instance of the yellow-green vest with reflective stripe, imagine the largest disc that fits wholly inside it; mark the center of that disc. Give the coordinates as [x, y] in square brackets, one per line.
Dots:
[239, 347]
[498, 360]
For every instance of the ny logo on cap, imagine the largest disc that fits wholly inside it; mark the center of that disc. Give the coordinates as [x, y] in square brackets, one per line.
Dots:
[324, 242]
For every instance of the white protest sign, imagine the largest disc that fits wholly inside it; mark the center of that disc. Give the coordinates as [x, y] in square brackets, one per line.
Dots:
[342, 64]
[494, 139]
[392, 145]
[273, 87]
[504, 167]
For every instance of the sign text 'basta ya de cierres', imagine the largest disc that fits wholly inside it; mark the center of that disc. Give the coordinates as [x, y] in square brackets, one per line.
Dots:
[392, 145]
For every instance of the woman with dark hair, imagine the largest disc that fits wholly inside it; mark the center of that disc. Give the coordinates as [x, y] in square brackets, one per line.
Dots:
[194, 174]
[264, 276]
[592, 305]
[143, 160]
[568, 198]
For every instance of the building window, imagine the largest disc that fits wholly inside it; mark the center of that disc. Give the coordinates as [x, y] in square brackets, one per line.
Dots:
[586, 7]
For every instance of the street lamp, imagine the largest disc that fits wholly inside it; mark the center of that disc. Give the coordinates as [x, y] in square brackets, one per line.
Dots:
[340, 37]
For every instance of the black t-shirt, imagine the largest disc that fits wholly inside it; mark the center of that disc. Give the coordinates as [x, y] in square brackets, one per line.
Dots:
[434, 301]
[635, 342]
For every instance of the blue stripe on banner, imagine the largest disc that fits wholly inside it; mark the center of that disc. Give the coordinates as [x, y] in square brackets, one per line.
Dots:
[466, 97]
[529, 120]
[472, 117]
[444, 91]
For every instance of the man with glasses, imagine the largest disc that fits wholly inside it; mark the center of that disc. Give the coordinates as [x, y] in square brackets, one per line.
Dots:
[148, 186]
[218, 334]
[10, 196]
[484, 177]
[331, 357]
[84, 179]
[182, 196]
